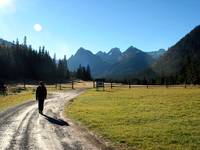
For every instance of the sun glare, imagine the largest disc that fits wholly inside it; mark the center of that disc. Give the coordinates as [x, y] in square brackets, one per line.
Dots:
[7, 6]
[4, 3]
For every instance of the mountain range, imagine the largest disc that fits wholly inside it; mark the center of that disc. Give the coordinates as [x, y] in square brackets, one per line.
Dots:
[179, 63]
[114, 64]
[85, 57]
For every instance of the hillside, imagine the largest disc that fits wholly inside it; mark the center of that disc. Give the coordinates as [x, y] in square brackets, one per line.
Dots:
[182, 59]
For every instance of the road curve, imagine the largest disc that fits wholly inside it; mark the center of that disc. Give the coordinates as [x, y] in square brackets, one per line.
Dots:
[22, 127]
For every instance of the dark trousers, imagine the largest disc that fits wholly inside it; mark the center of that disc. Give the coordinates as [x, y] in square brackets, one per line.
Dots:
[40, 105]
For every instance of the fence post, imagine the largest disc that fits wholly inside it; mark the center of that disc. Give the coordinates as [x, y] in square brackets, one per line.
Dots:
[56, 86]
[72, 84]
[111, 86]
[60, 86]
[129, 85]
[24, 85]
[93, 84]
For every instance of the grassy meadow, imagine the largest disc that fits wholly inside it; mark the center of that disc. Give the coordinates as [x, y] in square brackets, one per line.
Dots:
[140, 118]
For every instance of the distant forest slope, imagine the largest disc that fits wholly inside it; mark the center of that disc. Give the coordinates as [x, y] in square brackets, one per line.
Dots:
[182, 61]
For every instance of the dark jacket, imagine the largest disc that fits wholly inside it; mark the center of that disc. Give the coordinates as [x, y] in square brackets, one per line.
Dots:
[41, 92]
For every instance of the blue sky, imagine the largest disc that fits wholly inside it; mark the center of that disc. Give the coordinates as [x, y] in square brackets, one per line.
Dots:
[98, 24]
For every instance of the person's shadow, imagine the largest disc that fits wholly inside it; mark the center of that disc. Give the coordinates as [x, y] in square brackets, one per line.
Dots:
[59, 122]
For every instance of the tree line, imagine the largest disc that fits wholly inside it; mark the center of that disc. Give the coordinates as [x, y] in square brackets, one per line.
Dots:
[83, 73]
[22, 62]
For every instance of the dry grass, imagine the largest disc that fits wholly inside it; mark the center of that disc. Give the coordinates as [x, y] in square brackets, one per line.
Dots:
[156, 118]
[14, 99]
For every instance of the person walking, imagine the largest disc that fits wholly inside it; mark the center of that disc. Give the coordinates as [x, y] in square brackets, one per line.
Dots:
[41, 94]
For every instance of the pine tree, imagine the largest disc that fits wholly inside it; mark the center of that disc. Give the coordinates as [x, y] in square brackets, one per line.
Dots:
[22, 62]
[88, 73]
[25, 41]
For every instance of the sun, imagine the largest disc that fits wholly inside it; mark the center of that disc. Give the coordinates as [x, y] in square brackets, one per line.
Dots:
[37, 27]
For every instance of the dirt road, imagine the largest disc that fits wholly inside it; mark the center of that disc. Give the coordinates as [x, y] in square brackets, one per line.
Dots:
[23, 128]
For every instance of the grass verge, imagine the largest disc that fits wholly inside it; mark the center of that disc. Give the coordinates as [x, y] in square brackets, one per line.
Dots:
[157, 118]
[15, 99]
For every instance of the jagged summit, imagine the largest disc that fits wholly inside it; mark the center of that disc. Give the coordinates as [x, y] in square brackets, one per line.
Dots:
[132, 51]
[82, 50]
[114, 51]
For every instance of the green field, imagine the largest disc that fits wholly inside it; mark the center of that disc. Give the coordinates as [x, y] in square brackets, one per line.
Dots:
[139, 118]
